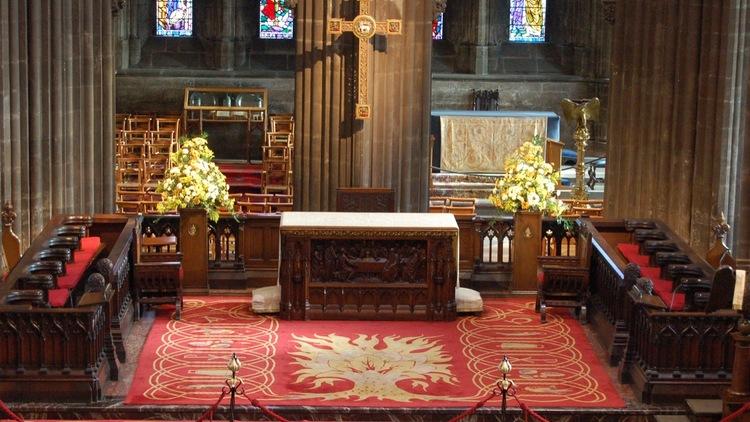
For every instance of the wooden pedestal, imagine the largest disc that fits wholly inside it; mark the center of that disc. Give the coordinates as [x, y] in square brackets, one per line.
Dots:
[526, 245]
[194, 248]
[739, 392]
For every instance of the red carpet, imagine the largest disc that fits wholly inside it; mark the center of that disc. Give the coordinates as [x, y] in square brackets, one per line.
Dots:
[241, 177]
[368, 363]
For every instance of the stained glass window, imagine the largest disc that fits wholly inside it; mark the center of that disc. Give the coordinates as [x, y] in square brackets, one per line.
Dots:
[276, 20]
[527, 20]
[437, 28]
[174, 18]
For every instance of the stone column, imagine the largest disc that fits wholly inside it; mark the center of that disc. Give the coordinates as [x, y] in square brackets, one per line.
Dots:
[226, 43]
[389, 150]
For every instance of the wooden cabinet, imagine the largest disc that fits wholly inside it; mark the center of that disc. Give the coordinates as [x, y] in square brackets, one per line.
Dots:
[234, 119]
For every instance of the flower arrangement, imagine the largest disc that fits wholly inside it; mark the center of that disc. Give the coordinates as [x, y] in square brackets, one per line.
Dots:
[194, 181]
[529, 182]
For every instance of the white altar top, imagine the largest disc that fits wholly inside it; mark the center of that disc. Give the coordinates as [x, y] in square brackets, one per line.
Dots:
[301, 220]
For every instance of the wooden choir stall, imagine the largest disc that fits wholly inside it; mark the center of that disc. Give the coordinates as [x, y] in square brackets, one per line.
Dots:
[368, 266]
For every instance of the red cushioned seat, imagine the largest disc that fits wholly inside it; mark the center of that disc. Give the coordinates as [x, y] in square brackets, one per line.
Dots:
[630, 252]
[68, 281]
[81, 261]
[651, 272]
[91, 242]
[663, 289]
[58, 297]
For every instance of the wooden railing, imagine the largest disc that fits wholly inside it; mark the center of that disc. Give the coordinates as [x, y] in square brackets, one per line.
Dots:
[666, 355]
[248, 244]
[242, 249]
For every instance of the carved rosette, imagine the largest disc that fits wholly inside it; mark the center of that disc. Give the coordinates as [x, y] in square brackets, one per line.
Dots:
[8, 214]
[608, 9]
[721, 228]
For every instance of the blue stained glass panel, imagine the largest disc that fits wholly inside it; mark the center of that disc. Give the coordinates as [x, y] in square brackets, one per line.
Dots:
[174, 18]
[527, 19]
[437, 28]
[276, 20]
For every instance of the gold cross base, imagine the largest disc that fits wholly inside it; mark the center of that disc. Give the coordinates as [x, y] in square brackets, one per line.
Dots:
[362, 111]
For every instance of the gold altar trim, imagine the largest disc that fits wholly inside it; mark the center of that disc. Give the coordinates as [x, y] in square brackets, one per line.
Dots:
[364, 234]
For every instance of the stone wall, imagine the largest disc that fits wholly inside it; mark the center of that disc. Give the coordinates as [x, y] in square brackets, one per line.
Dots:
[574, 62]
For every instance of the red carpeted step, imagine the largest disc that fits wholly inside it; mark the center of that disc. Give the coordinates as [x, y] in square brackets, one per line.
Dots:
[58, 297]
[630, 252]
[651, 272]
[663, 289]
[74, 271]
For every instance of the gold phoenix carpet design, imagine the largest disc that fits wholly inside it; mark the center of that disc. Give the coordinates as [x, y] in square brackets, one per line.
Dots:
[369, 363]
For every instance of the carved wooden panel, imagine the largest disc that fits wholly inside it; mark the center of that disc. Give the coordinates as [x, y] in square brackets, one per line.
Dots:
[403, 276]
[365, 200]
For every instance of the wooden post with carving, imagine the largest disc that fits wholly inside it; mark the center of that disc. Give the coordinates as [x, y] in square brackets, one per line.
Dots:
[11, 244]
[194, 248]
[526, 248]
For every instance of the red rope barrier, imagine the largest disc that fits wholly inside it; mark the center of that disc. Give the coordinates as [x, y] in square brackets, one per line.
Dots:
[209, 414]
[741, 411]
[473, 409]
[9, 412]
[527, 410]
[266, 411]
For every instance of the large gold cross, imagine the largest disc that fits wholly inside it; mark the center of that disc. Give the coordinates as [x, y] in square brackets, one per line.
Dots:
[364, 27]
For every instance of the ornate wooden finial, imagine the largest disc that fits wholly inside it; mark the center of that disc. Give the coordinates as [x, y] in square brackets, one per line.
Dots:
[9, 215]
[608, 8]
[117, 5]
[721, 228]
[438, 7]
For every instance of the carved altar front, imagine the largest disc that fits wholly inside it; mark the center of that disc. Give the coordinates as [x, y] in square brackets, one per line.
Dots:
[381, 266]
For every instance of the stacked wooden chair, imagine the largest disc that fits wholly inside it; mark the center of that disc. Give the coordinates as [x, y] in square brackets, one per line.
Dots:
[455, 206]
[261, 203]
[142, 148]
[278, 157]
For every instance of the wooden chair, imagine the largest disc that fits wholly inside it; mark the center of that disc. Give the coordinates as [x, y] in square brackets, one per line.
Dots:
[282, 123]
[157, 274]
[564, 280]
[284, 139]
[461, 206]
[170, 124]
[276, 181]
[11, 243]
[136, 122]
[438, 204]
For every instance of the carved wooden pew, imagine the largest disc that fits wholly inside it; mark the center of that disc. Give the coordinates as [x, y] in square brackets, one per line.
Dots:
[158, 271]
[57, 310]
[668, 355]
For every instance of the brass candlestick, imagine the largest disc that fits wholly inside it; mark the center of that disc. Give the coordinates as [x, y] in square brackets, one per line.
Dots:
[581, 111]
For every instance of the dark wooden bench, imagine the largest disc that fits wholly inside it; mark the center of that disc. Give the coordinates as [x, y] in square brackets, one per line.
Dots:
[57, 310]
[663, 312]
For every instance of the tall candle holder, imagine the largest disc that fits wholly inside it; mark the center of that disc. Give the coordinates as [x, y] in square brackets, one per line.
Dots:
[581, 111]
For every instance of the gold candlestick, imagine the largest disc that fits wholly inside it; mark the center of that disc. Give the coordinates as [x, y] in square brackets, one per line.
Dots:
[581, 111]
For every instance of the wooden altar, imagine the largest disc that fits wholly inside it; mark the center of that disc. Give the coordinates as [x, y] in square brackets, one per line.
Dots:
[380, 266]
